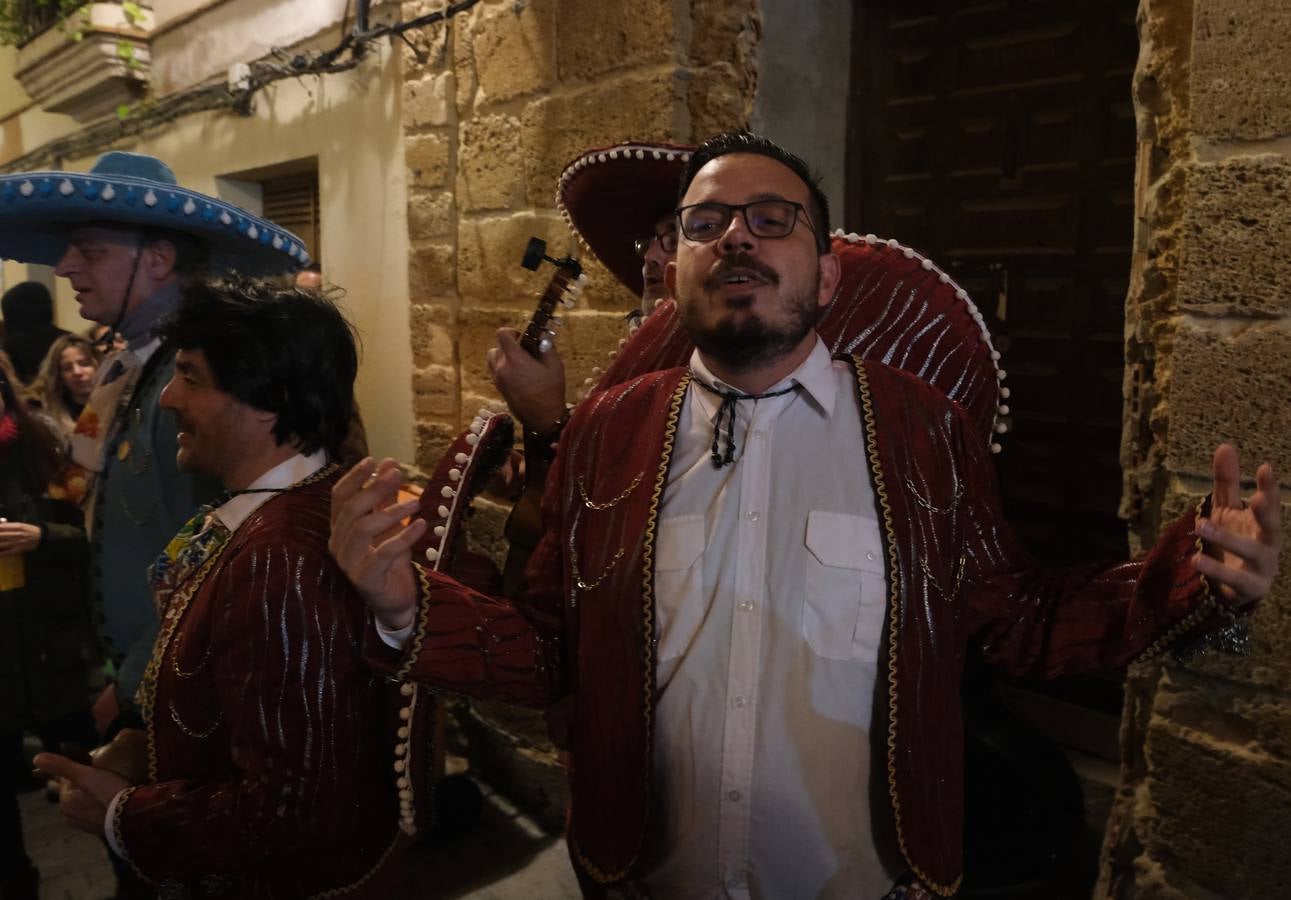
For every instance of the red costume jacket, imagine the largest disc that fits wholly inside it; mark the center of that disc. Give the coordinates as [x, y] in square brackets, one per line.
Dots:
[957, 578]
[270, 742]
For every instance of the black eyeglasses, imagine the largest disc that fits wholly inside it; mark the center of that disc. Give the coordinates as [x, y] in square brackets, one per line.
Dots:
[666, 236]
[765, 218]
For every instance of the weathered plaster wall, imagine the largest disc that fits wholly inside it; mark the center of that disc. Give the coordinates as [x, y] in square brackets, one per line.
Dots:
[1205, 805]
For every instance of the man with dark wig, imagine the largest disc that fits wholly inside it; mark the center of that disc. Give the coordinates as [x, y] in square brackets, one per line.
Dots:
[272, 746]
[761, 575]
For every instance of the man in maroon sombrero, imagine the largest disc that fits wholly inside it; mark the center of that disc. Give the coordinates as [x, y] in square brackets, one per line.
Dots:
[763, 571]
[618, 201]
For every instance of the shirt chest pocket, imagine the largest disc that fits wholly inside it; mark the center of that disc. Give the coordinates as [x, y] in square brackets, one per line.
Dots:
[845, 594]
[678, 583]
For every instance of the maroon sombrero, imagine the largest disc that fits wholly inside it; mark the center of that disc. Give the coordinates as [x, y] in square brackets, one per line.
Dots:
[893, 305]
[614, 195]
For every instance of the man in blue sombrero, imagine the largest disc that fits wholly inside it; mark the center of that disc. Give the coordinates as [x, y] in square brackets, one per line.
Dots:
[127, 237]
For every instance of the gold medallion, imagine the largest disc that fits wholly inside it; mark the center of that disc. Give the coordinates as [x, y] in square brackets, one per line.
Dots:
[123, 450]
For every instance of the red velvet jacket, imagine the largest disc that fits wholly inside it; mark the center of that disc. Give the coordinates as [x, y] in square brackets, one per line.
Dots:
[957, 577]
[271, 744]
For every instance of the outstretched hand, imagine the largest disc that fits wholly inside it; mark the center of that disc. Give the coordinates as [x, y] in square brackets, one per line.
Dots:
[371, 545]
[1241, 539]
[84, 792]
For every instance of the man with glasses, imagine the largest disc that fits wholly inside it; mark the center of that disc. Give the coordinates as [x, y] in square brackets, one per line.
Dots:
[760, 579]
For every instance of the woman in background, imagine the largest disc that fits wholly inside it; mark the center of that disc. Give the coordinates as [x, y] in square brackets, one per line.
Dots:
[65, 381]
[47, 642]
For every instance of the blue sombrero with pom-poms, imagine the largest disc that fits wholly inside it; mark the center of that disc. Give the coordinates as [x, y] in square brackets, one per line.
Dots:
[131, 189]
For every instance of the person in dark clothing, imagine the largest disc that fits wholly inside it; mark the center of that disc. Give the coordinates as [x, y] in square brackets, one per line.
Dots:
[47, 640]
[28, 312]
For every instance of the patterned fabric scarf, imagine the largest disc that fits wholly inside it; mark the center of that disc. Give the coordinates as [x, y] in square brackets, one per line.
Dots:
[200, 538]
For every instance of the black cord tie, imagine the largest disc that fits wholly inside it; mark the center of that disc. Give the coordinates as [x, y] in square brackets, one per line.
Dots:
[727, 410]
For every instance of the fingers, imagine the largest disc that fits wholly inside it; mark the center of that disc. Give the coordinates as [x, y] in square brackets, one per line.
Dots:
[364, 489]
[1226, 475]
[1266, 504]
[52, 765]
[1237, 584]
[1252, 550]
[365, 531]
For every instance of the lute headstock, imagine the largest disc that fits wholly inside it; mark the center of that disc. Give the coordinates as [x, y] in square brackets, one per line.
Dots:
[565, 285]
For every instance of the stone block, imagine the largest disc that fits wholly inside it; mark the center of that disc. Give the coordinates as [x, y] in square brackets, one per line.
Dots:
[427, 159]
[476, 334]
[586, 344]
[513, 47]
[1220, 809]
[725, 29]
[490, 171]
[433, 438]
[434, 391]
[1236, 238]
[488, 258]
[1230, 384]
[600, 36]
[556, 129]
[428, 102]
[430, 215]
[431, 328]
[484, 532]
[464, 71]
[720, 98]
[430, 270]
[1241, 65]
[510, 745]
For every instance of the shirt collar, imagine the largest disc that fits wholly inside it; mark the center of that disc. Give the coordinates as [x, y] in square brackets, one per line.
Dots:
[814, 376]
[239, 507]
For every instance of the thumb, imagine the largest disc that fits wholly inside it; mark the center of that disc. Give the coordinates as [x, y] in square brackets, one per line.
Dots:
[508, 340]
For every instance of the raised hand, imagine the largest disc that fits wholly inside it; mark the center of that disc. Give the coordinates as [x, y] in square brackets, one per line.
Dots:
[1242, 539]
[84, 792]
[534, 389]
[371, 545]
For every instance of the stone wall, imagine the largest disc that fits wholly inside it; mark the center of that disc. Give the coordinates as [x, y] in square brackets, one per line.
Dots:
[1204, 808]
[495, 104]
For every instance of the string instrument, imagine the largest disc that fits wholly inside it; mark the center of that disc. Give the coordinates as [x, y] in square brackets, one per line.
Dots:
[564, 287]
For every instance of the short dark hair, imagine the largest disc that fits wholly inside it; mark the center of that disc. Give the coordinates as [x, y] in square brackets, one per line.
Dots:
[278, 349]
[748, 142]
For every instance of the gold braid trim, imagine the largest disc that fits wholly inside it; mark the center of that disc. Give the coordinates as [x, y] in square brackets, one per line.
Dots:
[119, 836]
[647, 613]
[1209, 605]
[894, 616]
[413, 650]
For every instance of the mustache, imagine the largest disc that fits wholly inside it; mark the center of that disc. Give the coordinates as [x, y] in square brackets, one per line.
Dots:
[740, 261]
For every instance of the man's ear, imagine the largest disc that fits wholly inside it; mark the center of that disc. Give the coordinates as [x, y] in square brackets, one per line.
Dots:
[831, 272]
[670, 277]
[159, 259]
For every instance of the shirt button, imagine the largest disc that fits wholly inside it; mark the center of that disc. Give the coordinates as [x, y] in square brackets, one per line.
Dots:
[733, 796]
[740, 702]
[760, 435]
[870, 555]
[754, 516]
[746, 606]
[734, 883]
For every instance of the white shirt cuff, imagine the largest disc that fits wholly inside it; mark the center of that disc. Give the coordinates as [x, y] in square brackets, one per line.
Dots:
[108, 832]
[393, 637]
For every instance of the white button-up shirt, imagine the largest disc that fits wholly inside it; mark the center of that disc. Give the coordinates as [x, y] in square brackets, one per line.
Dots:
[770, 599]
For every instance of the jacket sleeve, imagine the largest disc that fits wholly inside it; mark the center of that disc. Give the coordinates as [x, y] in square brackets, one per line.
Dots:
[497, 648]
[1043, 621]
[297, 707]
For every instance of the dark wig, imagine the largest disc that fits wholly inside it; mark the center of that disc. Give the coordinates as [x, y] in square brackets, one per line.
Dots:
[279, 349]
[747, 142]
[42, 451]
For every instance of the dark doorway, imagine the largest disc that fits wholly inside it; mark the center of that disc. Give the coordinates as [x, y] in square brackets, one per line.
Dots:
[998, 137]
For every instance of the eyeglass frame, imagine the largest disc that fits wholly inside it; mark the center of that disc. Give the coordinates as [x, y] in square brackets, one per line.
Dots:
[799, 212]
[642, 244]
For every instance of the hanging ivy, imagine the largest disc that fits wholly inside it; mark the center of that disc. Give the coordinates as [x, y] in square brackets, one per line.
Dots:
[22, 20]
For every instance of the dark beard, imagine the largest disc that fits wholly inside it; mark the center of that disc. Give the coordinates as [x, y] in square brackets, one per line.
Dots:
[754, 342]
